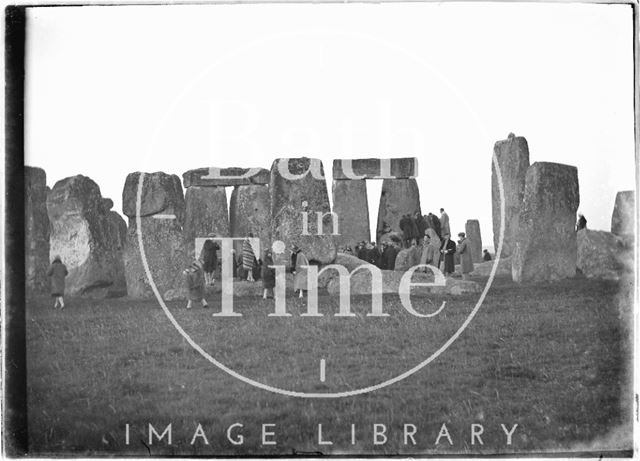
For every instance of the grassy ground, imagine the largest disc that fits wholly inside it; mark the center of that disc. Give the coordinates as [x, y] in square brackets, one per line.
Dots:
[554, 359]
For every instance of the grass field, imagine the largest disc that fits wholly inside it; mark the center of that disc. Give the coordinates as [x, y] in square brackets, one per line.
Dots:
[553, 358]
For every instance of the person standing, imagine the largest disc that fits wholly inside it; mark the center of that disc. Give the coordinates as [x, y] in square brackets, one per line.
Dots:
[195, 283]
[57, 272]
[485, 255]
[209, 256]
[466, 262]
[389, 255]
[301, 268]
[582, 222]
[447, 250]
[444, 223]
[268, 274]
[431, 251]
[248, 258]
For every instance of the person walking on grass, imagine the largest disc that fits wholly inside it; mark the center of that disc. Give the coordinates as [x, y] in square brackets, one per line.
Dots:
[268, 275]
[57, 272]
[248, 258]
[466, 262]
[194, 275]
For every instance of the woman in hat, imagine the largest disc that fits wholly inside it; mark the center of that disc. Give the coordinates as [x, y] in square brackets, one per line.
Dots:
[57, 272]
[248, 258]
[466, 262]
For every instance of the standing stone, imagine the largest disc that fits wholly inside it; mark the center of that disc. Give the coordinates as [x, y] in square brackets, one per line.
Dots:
[251, 213]
[161, 194]
[164, 249]
[304, 190]
[623, 217]
[398, 197]
[83, 235]
[546, 247]
[350, 204]
[512, 156]
[472, 230]
[604, 255]
[36, 237]
[206, 212]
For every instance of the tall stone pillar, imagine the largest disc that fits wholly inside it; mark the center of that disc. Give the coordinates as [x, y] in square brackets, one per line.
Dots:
[472, 230]
[36, 232]
[351, 206]
[546, 247]
[624, 213]
[512, 156]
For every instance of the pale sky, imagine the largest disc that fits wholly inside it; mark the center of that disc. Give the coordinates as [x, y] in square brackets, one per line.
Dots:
[112, 90]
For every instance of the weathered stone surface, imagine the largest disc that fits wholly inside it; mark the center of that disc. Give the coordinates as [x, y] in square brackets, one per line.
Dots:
[251, 213]
[604, 255]
[407, 258]
[350, 262]
[472, 230]
[205, 212]
[161, 194]
[623, 217]
[360, 283]
[375, 168]
[289, 198]
[166, 253]
[350, 204]
[221, 177]
[398, 197]
[512, 156]
[86, 237]
[546, 246]
[36, 228]
[390, 237]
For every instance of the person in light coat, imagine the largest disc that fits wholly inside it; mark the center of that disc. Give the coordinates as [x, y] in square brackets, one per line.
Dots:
[300, 279]
[466, 262]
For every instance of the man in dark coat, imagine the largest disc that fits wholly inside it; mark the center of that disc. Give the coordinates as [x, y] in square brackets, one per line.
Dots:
[486, 256]
[389, 254]
[448, 249]
[268, 274]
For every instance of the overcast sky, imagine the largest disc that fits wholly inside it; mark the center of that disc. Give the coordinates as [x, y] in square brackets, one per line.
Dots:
[112, 90]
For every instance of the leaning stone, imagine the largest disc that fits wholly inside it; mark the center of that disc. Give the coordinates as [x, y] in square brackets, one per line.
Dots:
[407, 258]
[375, 168]
[86, 238]
[623, 217]
[546, 246]
[603, 255]
[350, 262]
[251, 213]
[225, 177]
[398, 197]
[161, 194]
[289, 199]
[472, 231]
[512, 156]
[206, 212]
[36, 230]
[350, 204]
